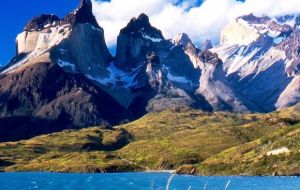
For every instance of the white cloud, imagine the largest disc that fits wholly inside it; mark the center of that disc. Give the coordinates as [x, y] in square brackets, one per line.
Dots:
[200, 23]
[267, 7]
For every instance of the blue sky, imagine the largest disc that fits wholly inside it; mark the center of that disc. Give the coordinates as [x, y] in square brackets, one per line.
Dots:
[15, 14]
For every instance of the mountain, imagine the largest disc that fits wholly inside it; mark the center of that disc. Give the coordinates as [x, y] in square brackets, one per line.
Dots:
[63, 75]
[261, 60]
[171, 73]
[45, 89]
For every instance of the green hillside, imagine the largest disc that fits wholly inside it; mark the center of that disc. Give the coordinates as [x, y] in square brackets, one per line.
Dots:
[276, 153]
[190, 141]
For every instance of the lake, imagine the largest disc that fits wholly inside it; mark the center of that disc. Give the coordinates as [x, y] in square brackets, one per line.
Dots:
[141, 181]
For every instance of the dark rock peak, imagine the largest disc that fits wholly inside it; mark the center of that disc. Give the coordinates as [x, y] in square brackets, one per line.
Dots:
[182, 39]
[254, 19]
[86, 3]
[84, 14]
[143, 18]
[40, 22]
[206, 45]
[141, 26]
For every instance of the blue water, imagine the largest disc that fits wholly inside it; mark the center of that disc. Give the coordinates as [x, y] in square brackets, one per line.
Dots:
[141, 181]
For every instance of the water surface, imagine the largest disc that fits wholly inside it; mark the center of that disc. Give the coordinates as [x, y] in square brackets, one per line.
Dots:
[141, 181]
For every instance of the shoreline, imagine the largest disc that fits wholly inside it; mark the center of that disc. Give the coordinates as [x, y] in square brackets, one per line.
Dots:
[160, 171]
[146, 172]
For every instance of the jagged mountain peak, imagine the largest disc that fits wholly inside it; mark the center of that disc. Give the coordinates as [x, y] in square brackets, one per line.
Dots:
[135, 40]
[136, 24]
[250, 29]
[254, 19]
[41, 22]
[291, 20]
[62, 39]
[181, 39]
[142, 27]
[143, 18]
[84, 14]
[86, 3]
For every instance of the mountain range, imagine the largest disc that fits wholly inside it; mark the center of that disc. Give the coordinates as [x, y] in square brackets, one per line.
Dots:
[64, 77]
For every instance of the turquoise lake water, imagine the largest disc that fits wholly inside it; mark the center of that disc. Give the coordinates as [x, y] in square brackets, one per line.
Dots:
[141, 181]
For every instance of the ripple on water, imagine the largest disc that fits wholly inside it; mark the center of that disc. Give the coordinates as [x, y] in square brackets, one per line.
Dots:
[141, 181]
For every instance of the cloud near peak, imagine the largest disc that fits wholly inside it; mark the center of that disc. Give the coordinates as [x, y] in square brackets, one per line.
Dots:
[199, 21]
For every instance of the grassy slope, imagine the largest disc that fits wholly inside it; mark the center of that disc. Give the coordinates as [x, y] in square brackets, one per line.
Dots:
[86, 150]
[219, 143]
[252, 158]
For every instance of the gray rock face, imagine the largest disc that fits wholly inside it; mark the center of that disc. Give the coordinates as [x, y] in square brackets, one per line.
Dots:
[167, 94]
[84, 48]
[215, 88]
[81, 15]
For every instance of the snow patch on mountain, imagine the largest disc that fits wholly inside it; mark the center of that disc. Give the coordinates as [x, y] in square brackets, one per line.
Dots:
[117, 77]
[66, 64]
[179, 79]
[153, 39]
[174, 78]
